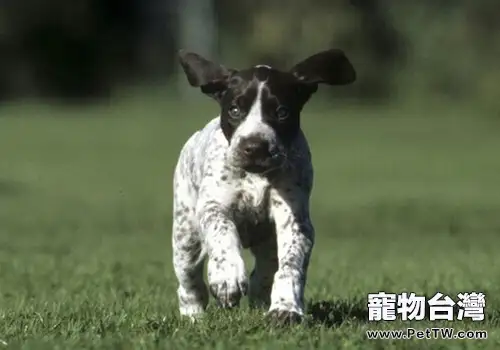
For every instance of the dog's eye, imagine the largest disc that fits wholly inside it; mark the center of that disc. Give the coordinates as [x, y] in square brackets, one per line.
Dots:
[234, 111]
[282, 113]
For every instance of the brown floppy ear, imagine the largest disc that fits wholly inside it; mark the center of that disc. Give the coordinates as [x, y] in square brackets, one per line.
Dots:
[330, 67]
[211, 77]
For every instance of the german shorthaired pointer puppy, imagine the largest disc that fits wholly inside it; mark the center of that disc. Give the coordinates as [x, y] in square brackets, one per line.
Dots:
[244, 181]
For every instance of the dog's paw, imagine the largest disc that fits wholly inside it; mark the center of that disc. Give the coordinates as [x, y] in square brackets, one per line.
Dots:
[284, 317]
[228, 282]
[192, 312]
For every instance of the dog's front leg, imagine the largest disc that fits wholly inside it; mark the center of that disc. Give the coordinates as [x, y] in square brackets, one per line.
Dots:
[227, 277]
[295, 238]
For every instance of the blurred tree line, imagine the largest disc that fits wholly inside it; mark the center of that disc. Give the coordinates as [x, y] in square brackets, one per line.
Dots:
[86, 48]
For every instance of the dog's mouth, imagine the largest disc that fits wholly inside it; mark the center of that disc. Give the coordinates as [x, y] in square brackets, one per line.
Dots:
[262, 166]
[255, 168]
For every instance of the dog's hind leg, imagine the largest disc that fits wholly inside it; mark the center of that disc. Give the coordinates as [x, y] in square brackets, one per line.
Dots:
[261, 278]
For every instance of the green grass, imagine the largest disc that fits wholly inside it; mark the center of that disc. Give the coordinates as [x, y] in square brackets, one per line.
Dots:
[401, 203]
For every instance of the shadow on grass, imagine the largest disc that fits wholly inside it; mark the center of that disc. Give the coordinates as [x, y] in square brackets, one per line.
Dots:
[10, 188]
[333, 313]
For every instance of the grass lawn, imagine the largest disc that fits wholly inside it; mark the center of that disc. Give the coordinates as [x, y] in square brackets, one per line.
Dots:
[401, 203]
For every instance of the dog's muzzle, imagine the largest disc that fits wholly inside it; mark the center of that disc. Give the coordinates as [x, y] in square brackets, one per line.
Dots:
[257, 154]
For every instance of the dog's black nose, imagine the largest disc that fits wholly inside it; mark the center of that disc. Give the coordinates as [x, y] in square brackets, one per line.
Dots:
[255, 148]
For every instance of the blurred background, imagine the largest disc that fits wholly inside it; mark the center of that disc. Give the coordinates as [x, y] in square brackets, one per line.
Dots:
[425, 50]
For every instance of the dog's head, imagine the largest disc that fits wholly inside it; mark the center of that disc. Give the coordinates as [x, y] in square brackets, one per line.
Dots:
[261, 105]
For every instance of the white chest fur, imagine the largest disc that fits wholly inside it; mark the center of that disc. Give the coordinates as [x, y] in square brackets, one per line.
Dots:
[250, 207]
